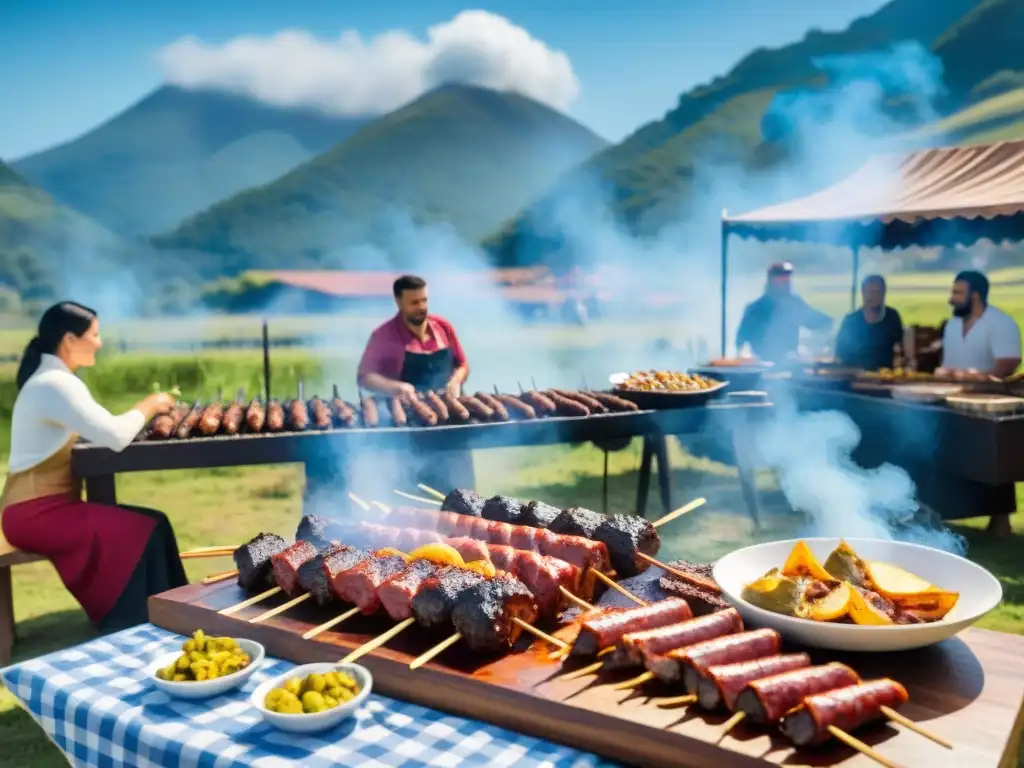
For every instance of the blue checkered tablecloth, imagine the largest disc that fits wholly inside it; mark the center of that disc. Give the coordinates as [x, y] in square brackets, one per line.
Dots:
[95, 703]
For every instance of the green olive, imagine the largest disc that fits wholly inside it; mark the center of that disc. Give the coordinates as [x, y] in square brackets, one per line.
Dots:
[289, 704]
[294, 686]
[314, 682]
[313, 701]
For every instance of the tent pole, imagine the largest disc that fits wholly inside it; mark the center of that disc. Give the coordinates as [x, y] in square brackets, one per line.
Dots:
[725, 276]
[856, 277]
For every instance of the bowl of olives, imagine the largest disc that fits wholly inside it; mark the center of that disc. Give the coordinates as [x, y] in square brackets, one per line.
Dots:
[313, 697]
[206, 666]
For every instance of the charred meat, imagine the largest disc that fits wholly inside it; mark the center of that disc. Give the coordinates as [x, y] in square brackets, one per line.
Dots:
[359, 585]
[312, 577]
[463, 501]
[625, 536]
[502, 509]
[484, 614]
[253, 560]
[286, 565]
[432, 605]
[396, 594]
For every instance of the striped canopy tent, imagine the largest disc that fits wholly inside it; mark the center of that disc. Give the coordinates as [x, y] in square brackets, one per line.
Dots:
[931, 197]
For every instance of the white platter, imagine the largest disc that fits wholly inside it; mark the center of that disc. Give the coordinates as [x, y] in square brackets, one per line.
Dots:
[318, 721]
[979, 590]
[203, 689]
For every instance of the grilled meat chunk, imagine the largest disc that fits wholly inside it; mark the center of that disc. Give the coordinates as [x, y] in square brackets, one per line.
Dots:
[359, 585]
[319, 531]
[312, 577]
[537, 514]
[396, 593]
[484, 614]
[577, 521]
[503, 509]
[464, 502]
[252, 560]
[432, 605]
[625, 535]
[286, 565]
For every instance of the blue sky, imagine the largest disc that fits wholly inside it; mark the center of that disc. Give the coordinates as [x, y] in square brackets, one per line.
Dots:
[70, 64]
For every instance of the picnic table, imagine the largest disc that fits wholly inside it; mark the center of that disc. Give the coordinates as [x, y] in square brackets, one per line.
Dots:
[96, 704]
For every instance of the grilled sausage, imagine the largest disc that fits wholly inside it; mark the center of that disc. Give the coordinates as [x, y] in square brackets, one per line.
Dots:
[343, 412]
[745, 646]
[298, 415]
[516, 407]
[435, 401]
[613, 402]
[255, 416]
[321, 412]
[369, 411]
[591, 404]
[605, 630]
[541, 403]
[189, 423]
[423, 413]
[566, 407]
[500, 414]
[162, 427]
[275, 416]
[766, 700]
[719, 686]
[457, 412]
[398, 417]
[634, 649]
[233, 417]
[846, 708]
[476, 409]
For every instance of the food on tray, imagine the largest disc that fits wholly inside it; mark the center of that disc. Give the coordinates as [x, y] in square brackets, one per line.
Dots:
[312, 693]
[666, 382]
[698, 589]
[733, 362]
[608, 627]
[766, 700]
[845, 708]
[848, 589]
[205, 658]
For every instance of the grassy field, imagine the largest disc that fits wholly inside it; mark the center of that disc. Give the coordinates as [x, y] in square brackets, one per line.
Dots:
[228, 505]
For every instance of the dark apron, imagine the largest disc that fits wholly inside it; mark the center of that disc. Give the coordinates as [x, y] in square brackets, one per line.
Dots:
[443, 470]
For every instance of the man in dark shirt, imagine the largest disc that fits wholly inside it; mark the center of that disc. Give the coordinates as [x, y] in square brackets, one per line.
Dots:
[771, 324]
[867, 336]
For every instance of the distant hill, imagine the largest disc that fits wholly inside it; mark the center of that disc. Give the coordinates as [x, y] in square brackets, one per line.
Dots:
[648, 177]
[460, 155]
[176, 152]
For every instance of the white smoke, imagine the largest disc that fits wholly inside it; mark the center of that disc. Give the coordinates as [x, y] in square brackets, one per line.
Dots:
[353, 76]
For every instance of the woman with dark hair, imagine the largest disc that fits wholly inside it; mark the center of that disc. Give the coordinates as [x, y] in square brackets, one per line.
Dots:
[110, 558]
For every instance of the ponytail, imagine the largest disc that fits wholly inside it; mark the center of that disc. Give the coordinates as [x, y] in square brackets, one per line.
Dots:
[30, 360]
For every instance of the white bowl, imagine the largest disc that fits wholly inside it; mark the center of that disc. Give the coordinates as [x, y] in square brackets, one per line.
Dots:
[979, 590]
[319, 721]
[203, 689]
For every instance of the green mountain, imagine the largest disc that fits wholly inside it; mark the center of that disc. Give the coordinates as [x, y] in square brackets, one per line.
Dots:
[460, 156]
[648, 178]
[176, 152]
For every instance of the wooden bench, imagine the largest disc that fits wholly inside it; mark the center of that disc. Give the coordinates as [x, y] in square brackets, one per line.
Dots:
[9, 556]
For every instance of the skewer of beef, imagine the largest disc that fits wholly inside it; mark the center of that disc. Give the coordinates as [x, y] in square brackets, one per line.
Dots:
[490, 618]
[163, 426]
[234, 414]
[297, 413]
[188, 424]
[344, 414]
[320, 413]
[255, 416]
[275, 416]
[213, 414]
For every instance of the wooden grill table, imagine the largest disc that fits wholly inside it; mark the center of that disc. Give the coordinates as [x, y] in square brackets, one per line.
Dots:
[969, 689]
[98, 466]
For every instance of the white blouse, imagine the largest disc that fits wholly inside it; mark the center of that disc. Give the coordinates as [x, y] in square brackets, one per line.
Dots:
[53, 405]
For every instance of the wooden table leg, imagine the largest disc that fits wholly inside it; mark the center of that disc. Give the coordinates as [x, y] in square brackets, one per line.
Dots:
[748, 474]
[643, 483]
[6, 616]
[101, 489]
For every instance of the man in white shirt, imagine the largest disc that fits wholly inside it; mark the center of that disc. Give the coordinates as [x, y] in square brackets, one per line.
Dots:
[979, 336]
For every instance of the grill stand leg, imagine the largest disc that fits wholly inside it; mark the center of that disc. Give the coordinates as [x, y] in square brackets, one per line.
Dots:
[655, 447]
[101, 489]
[748, 476]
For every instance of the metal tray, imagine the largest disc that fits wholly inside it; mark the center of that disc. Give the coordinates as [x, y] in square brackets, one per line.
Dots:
[990, 404]
[656, 401]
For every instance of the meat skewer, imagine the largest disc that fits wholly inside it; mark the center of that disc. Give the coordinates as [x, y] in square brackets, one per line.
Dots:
[398, 417]
[190, 422]
[590, 403]
[297, 418]
[477, 409]
[343, 413]
[436, 402]
[234, 415]
[369, 411]
[323, 418]
[499, 411]
[163, 426]
[213, 414]
[719, 686]
[457, 412]
[566, 407]
[541, 403]
[612, 402]
[424, 414]
[275, 416]
[255, 416]
[516, 408]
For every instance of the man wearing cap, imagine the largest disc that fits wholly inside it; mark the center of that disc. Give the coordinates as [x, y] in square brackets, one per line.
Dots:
[771, 324]
[979, 337]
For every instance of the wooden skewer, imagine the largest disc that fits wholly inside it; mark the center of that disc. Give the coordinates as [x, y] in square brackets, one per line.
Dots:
[251, 601]
[583, 671]
[675, 701]
[207, 553]
[420, 499]
[382, 507]
[680, 512]
[578, 601]
[731, 723]
[218, 548]
[589, 668]
[687, 577]
[332, 623]
[617, 587]
[213, 578]
[422, 659]
[861, 747]
[280, 609]
[378, 641]
[538, 633]
[431, 491]
[359, 502]
[635, 682]
[906, 722]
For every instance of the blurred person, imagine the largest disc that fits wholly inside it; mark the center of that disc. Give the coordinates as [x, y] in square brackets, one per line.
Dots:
[771, 324]
[111, 558]
[416, 351]
[979, 336]
[867, 336]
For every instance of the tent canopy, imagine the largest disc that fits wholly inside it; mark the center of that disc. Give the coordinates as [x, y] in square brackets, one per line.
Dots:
[947, 196]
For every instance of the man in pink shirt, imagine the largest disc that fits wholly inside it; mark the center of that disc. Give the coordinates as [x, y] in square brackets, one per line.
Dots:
[414, 350]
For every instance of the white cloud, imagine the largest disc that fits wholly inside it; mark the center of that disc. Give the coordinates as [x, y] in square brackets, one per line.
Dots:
[353, 76]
